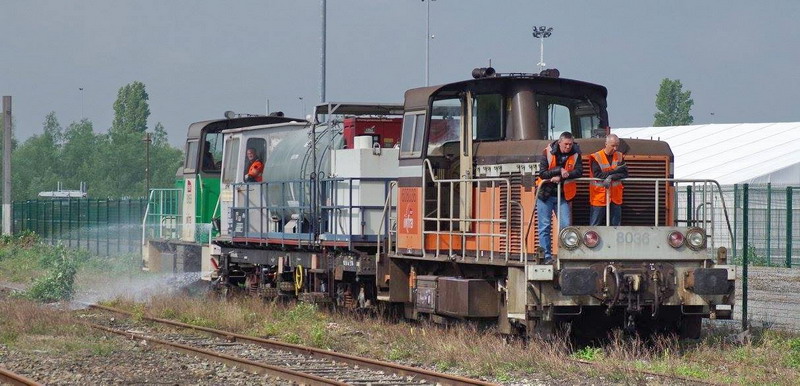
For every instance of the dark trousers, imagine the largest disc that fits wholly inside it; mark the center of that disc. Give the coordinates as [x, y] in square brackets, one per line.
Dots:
[597, 216]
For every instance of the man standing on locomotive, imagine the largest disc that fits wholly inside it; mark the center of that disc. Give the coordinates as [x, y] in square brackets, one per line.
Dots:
[607, 164]
[561, 164]
[254, 168]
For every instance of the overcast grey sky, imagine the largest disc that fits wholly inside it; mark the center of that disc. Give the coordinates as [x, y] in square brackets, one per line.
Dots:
[200, 58]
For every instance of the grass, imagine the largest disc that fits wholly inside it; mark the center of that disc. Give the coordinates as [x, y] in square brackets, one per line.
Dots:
[54, 272]
[770, 357]
[28, 327]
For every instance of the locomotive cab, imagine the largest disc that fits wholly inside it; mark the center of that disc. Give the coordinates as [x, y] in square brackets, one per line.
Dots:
[178, 220]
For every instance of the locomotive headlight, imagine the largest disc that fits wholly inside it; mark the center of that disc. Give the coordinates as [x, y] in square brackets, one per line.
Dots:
[570, 238]
[696, 239]
[675, 239]
[591, 239]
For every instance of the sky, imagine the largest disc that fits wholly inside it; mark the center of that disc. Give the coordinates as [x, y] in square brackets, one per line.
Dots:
[198, 59]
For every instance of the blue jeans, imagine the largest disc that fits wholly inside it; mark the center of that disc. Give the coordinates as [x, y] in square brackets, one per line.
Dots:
[597, 216]
[545, 209]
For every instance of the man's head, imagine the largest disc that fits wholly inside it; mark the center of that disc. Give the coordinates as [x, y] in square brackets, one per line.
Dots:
[251, 154]
[565, 142]
[612, 144]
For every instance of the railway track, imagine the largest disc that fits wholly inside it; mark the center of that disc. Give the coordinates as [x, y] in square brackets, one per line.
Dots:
[304, 364]
[669, 379]
[7, 377]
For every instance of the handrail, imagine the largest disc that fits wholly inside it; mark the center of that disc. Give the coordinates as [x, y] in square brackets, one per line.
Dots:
[438, 232]
[386, 205]
[674, 180]
[152, 200]
[144, 219]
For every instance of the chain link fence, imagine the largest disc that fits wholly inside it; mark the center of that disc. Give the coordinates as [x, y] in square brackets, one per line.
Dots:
[101, 226]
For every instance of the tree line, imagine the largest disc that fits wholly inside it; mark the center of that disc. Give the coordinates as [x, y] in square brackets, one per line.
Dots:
[112, 163]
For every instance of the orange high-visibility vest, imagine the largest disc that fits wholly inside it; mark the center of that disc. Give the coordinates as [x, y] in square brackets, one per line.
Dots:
[255, 170]
[570, 188]
[597, 192]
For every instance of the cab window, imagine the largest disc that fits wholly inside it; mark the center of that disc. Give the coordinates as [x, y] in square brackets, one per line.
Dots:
[445, 125]
[229, 163]
[212, 153]
[190, 163]
[487, 117]
[411, 140]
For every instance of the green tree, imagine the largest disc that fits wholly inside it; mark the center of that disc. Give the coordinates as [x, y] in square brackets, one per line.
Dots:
[79, 156]
[131, 110]
[673, 104]
[36, 161]
[164, 159]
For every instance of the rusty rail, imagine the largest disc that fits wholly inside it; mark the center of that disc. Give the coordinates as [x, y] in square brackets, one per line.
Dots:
[431, 376]
[7, 377]
[253, 366]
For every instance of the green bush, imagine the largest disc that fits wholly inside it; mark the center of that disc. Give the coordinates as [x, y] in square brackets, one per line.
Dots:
[59, 281]
[753, 258]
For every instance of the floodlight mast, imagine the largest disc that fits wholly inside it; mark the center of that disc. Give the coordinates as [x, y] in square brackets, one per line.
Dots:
[541, 32]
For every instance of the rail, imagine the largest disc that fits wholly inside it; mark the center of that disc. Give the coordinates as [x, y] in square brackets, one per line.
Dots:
[399, 369]
[10, 378]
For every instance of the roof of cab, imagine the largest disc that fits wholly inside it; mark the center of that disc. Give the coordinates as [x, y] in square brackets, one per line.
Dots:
[216, 125]
[417, 98]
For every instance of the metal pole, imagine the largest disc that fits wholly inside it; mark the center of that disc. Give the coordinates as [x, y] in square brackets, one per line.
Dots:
[427, 43]
[323, 48]
[541, 53]
[689, 205]
[147, 141]
[769, 224]
[735, 220]
[789, 227]
[745, 256]
[7, 165]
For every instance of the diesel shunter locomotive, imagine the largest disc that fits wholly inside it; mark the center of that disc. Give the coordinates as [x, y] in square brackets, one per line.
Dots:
[429, 207]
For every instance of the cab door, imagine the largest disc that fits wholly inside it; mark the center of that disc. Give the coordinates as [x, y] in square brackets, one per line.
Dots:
[230, 166]
[466, 156]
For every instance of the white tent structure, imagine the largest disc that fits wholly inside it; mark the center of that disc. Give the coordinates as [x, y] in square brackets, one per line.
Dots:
[755, 153]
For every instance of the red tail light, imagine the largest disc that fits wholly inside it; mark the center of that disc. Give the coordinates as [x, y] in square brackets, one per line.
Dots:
[591, 239]
[675, 239]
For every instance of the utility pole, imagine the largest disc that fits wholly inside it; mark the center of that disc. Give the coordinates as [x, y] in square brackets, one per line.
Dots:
[7, 165]
[428, 38]
[81, 90]
[324, 27]
[147, 140]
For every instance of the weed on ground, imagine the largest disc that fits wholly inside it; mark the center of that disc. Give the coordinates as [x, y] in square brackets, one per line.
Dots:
[770, 357]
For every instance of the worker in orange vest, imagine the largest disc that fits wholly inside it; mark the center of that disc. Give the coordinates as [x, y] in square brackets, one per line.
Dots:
[608, 165]
[561, 164]
[254, 168]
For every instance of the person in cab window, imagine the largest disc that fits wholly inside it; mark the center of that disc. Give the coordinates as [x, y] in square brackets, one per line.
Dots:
[608, 165]
[561, 165]
[254, 166]
[208, 158]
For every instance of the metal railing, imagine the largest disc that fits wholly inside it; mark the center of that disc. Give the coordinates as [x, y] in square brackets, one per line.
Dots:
[468, 222]
[284, 208]
[446, 219]
[163, 216]
[702, 214]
